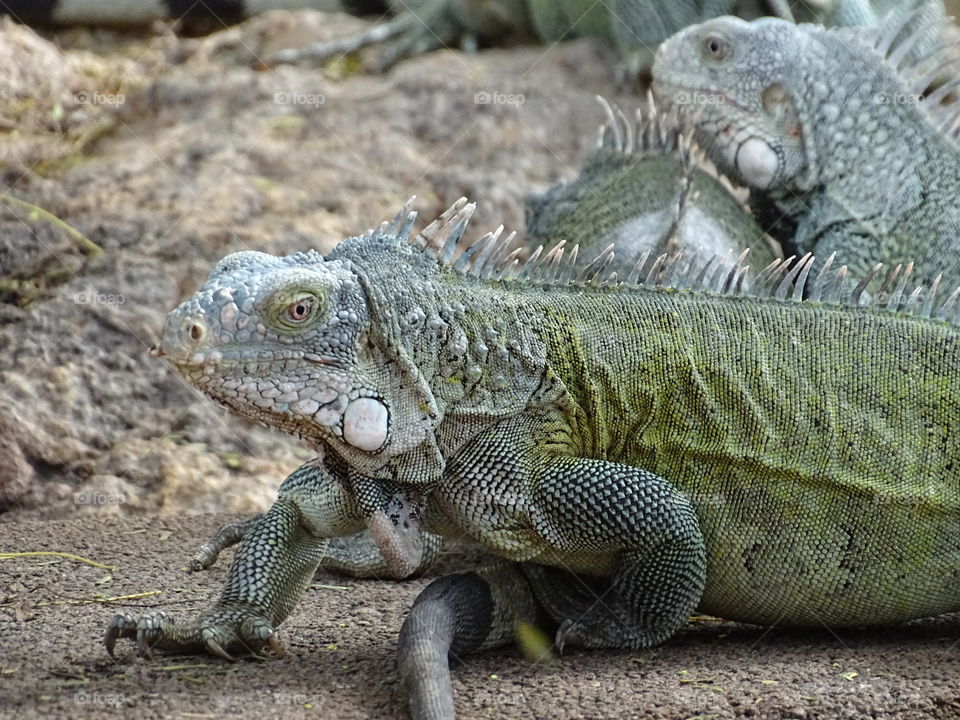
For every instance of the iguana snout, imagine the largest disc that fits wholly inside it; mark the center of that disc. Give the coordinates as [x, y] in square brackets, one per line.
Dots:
[279, 338]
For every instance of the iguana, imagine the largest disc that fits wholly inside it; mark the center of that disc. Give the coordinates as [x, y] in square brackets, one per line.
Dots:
[633, 452]
[644, 190]
[831, 131]
[635, 27]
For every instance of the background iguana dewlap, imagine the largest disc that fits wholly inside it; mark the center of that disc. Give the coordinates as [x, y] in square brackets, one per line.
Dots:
[767, 459]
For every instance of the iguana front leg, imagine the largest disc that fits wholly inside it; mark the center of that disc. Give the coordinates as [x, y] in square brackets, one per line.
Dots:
[614, 556]
[358, 555]
[422, 26]
[588, 507]
[279, 553]
[273, 566]
[630, 532]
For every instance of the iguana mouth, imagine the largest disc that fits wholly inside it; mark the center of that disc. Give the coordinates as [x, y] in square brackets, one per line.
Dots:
[669, 91]
[230, 358]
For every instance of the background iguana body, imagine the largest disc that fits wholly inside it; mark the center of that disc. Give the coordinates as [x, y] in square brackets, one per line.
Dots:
[646, 192]
[636, 452]
[831, 131]
[635, 27]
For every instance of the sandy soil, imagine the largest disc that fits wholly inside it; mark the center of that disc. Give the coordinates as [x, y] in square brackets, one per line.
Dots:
[167, 154]
[340, 650]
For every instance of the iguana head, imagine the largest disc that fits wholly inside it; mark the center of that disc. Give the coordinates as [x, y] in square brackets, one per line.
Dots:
[733, 81]
[789, 107]
[282, 340]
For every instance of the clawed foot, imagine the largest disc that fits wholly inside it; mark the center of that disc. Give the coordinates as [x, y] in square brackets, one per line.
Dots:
[223, 632]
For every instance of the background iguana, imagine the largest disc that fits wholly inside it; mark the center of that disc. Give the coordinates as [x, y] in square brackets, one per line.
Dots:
[635, 27]
[635, 452]
[832, 132]
[645, 191]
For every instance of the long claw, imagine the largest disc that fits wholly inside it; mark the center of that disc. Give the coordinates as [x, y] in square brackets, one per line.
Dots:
[110, 639]
[144, 645]
[564, 632]
[214, 647]
[121, 626]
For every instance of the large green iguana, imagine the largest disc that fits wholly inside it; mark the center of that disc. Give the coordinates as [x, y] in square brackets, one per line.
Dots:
[831, 131]
[643, 191]
[646, 192]
[634, 452]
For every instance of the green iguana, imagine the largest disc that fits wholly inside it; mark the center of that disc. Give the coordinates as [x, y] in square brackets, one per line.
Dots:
[646, 192]
[830, 130]
[643, 191]
[633, 452]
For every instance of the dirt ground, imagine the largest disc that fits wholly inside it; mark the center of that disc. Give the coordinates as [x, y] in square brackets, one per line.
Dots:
[164, 154]
[168, 154]
[340, 644]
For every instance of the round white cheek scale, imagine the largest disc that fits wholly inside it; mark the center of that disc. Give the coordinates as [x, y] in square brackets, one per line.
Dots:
[757, 163]
[365, 424]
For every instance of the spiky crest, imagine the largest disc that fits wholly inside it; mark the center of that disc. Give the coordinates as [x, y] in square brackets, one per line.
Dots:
[894, 41]
[489, 258]
[658, 131]
[652, 130]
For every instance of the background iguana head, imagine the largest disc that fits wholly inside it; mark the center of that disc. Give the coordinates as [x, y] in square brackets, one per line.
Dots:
[645, 190]
[283, 340]
[778, 105]
[735, 81]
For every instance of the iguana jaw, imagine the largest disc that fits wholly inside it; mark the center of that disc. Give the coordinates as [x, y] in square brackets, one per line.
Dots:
[302, 396]
[730, 139]
[278, 340]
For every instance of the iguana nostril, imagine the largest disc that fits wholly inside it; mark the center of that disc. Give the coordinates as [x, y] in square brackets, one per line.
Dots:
[196, 332]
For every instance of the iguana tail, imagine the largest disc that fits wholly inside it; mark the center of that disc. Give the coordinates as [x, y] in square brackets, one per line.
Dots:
[209, 15]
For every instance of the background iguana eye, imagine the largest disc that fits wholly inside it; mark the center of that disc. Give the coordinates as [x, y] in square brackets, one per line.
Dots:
[716, 47]
[300, 310]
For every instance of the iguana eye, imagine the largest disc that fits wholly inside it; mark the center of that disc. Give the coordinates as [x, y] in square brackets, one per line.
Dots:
[716, 48]
[300, 310]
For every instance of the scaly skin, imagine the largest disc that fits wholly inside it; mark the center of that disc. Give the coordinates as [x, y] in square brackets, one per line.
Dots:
[645, 192]
[635, 27]
[766, 460]
[825, 129]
